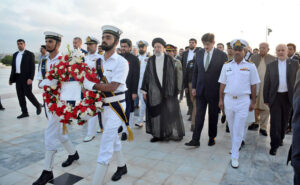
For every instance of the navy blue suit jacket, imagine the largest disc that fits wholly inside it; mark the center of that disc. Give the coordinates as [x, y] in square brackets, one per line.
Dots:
[206, 82]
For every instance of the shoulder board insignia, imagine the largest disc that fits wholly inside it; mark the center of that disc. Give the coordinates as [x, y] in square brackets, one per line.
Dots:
[228, 61]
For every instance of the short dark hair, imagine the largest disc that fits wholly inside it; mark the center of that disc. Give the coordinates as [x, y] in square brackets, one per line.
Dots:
[78, 38]
[208, 37]
[192, 39]
[21, 40]
[256, 49]
[43, 46]
[187, 47]
[221, 44]
[293, 45]
[127, 41]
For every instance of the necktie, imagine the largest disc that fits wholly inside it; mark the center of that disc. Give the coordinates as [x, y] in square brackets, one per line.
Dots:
[206, 62]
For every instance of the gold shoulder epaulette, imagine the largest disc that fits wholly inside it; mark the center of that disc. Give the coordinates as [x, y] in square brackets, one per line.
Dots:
[228, 61]
[250, 61]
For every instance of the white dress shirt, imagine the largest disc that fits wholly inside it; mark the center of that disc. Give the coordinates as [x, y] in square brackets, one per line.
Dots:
[159, 62]
[210, 55]
[282, 76]
[18, 61]
[190, 55]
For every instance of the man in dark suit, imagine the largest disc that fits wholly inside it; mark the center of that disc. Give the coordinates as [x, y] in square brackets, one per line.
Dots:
[187, 56]
[208, 65]
[132, 81]
[292, 52]
[278, 94]
[22, 73]
[296, 131]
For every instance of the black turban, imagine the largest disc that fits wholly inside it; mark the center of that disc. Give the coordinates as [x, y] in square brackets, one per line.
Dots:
[158, 40]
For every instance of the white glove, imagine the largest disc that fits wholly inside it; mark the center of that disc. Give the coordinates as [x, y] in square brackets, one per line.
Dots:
[48, 82]
[88, 84]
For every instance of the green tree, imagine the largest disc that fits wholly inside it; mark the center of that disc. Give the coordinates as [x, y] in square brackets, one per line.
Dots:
[7, 60]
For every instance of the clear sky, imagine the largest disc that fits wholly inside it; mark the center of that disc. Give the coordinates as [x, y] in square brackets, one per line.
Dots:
[175, 21]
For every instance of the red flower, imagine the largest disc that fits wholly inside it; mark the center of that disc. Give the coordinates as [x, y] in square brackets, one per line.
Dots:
[66, 58]
[83, 109]
[59, 58]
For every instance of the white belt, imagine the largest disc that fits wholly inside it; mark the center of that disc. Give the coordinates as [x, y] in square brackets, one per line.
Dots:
[114, 98]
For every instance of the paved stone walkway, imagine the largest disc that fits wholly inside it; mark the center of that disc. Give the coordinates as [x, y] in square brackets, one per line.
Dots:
[168, 163]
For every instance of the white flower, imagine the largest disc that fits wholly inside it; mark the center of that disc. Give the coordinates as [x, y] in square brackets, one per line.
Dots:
[63, 75]
[53, 87]
[48, 89]
[61, 67]
[76, 70]
[98, 104]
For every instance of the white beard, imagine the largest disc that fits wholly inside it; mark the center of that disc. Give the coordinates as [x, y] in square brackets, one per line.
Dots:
[158, 54]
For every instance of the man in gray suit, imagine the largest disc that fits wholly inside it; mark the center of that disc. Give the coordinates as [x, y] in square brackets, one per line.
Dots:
[296, 132]
[262, 112]
[278, 94]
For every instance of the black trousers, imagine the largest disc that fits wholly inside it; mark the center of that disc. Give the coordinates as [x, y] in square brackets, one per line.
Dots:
[279, 113]
[213, 111]
[129, 104]
[189, 102]
[25, 90]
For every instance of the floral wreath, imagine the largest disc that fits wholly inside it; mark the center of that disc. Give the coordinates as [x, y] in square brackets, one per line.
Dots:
[72, 66]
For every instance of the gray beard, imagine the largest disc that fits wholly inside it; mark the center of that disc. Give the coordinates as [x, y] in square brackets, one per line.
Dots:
[158, 54]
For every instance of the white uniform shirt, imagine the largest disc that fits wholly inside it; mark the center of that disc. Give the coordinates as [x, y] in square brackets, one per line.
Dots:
[282, 76]
[69, 90]
[18, 61]
[190, 55]
[143, 63]
[91, 59]
[238, 78]
[48, 66]
[115, 70]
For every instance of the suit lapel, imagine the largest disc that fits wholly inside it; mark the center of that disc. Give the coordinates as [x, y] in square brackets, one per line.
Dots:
[276, 74]
[288, 71]
[202, 59]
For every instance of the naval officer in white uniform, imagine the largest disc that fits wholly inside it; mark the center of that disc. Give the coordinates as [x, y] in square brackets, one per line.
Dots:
[90, 59]
[238, 81]
[113, 70]
[70, 92]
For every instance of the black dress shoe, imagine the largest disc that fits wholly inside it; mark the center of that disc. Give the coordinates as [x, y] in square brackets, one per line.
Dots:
[118, 174]
[2, 108]
[192, 128]
[45, 177]
[23, 115]
[263, 132]
[211, 141]
[281, 143]
[223, 118]
[38, 110]
[70, 160]
[227, 128]
[190, 118]
[124, 136]
[155, 139]
[193, 143]
[120, 129]
[242, 145]
[273, 151]
[253, 126]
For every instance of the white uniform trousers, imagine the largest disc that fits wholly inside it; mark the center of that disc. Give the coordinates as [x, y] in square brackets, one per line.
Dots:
[53, 132]
[110, 141]
[92, 126]
[142, 108]
[236, 111]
